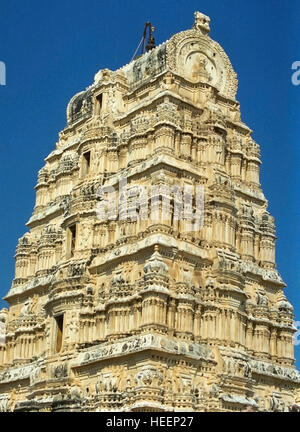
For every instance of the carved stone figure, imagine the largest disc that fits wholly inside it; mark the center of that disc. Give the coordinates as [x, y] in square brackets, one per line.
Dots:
[4, 403]
[262, 299]
[149, 377]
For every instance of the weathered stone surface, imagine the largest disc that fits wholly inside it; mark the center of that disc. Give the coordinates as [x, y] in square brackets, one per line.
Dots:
[131, 310]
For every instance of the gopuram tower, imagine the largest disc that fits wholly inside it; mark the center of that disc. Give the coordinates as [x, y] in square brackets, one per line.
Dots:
[123, 307]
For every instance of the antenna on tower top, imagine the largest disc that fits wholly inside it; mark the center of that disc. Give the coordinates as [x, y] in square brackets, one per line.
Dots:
[150, 43]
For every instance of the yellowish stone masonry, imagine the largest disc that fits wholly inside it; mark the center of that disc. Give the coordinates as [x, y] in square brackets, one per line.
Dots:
[128, 313]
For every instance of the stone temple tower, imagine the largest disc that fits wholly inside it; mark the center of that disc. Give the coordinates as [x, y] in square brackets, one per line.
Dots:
[114, 309]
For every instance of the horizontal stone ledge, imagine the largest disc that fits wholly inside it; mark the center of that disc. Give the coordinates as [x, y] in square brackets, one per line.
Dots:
[154, 161]
[141, 343]
[150, 241]
[34, 283]
[238, 400]
[17, 374]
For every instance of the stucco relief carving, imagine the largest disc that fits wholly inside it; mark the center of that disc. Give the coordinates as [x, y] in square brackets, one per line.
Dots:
[197, 56]
[149, 377]
[5, 403]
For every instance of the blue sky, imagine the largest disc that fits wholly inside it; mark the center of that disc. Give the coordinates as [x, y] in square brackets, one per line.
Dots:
[52, 49]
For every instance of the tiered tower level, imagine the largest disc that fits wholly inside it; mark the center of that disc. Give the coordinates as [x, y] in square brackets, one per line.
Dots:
[139, 314]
